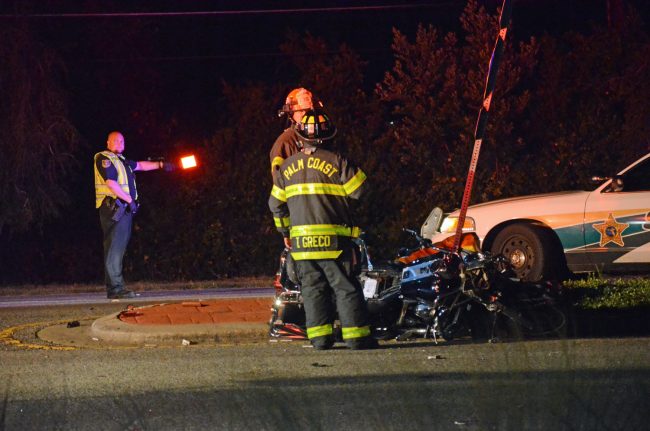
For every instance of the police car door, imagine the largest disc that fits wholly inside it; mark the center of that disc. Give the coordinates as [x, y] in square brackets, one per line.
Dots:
[617, 221]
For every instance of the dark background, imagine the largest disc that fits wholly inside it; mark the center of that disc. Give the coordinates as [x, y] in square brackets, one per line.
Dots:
[162, 80]
[112, 48]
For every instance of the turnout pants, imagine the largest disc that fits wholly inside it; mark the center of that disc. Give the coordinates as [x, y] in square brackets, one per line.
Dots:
[322, 282]
[116, 237]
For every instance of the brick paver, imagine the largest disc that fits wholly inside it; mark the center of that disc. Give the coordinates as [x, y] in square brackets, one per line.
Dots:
[250, 310]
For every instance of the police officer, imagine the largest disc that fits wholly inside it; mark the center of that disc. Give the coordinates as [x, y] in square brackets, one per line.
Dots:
[310, 202]
[298, 101]
[116, 198]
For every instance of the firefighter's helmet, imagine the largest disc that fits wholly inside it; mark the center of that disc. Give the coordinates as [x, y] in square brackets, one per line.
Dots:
[315, 127]
[299, 99]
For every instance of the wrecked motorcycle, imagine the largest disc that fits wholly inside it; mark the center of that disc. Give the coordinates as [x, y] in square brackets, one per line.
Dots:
[432, 292]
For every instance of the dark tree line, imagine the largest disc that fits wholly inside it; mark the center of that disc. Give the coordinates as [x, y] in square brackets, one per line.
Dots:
[36, 133]
[566, 107]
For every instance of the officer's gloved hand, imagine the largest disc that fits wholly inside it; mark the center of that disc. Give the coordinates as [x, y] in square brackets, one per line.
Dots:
[133, 207]
[168, 166]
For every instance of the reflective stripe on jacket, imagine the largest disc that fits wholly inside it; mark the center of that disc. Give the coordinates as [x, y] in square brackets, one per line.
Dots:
[101, 189]
[310, 202]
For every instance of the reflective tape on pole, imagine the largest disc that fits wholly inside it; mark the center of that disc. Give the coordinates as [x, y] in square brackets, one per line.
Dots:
[497, 52]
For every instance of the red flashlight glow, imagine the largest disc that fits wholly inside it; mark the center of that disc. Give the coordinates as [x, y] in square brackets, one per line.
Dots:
[188, 162]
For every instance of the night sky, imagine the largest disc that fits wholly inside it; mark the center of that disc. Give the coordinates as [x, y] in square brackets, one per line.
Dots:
[193, 46]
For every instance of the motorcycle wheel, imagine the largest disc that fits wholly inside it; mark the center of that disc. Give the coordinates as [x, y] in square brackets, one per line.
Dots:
[547, 320]
[540, 321]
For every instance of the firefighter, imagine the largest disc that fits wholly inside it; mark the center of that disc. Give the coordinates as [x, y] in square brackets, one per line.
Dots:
[298, 101]
[116, 198]
[310, 202]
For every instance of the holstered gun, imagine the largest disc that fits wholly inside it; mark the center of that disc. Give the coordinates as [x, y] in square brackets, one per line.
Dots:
[117, 207]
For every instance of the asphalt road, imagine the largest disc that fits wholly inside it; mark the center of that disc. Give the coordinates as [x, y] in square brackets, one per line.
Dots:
[581, 384]
[85, 298]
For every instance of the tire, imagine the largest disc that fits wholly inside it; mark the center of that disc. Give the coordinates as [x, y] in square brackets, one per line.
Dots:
[528, 250]
[546, 320]
[542, 321]
[508, 326]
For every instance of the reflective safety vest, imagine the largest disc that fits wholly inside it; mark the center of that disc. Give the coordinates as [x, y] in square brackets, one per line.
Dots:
[310, 202]
[101, 189]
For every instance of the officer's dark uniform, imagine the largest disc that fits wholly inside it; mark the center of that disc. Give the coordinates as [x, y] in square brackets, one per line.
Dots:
[284, 147]
[111, 166]
[310, 203]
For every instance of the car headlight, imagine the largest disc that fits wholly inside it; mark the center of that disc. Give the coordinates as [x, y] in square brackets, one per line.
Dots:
[450, 224]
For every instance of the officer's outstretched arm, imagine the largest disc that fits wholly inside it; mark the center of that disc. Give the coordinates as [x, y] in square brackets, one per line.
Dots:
[148, 165]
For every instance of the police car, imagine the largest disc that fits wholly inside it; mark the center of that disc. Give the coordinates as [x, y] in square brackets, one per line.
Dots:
[604, 230]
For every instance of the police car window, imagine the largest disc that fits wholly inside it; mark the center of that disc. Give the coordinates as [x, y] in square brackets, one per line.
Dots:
[638, 178]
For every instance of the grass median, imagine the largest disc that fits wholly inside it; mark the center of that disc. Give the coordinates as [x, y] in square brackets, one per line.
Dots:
[608, 307]
[606, 293]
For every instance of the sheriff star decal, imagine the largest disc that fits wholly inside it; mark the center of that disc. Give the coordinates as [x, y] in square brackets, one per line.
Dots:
[611, 231]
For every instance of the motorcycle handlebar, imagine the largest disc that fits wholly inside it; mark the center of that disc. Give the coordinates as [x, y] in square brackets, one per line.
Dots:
[422, 241]
[425, 242]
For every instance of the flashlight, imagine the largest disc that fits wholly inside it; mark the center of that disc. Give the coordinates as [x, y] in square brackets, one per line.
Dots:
[188, 162]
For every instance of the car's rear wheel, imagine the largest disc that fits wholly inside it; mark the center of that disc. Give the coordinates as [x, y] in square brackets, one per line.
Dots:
[527, 248]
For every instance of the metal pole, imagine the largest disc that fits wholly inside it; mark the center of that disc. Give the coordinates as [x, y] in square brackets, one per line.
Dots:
[497, 52]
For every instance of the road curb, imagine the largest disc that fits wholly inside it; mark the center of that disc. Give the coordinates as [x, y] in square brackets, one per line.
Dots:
[112, 330]
[219, 321]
